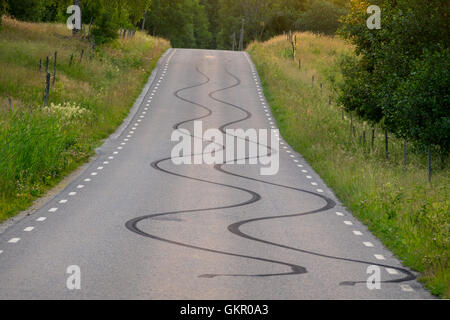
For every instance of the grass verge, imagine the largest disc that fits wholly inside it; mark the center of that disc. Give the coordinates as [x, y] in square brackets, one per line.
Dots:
[90, 98]
[410, 216]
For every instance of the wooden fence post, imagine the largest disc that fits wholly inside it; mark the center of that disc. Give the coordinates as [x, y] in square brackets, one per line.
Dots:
[429, 164]
[54, 68]
[351, 123]
[47, 89]
[405, 154]
[373, 138]
[386, 143]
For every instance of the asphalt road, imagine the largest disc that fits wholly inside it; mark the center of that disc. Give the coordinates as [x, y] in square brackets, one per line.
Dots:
[140, 227]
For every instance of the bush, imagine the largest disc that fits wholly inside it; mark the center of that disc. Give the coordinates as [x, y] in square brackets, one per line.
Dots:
[320, 16]
[105, 28]
[391, 80]
[26, 10]
[421, 102]
[2, 9]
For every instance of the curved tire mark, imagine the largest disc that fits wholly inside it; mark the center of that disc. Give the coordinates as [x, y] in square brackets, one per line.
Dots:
[235, 227]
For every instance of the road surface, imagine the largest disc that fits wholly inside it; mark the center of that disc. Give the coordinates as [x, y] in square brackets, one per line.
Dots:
[140, 227]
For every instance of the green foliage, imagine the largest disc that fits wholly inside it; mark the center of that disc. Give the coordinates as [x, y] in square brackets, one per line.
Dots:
[188, 23]
[321, 17]
[32, 148]
[395, 78]
[28, 10]
[212, 13]
[184, 22]
[422, 100]
[106, 27]
[409, 215]
[90, 98]
[203, 36]
[267, 18]
[2, 10]
[107, 16]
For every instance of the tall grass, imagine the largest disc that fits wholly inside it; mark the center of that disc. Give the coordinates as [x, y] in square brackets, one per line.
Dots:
[400, 207]
[89, 100]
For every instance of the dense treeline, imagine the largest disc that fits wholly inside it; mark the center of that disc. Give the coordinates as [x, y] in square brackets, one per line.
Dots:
[190, 23]
[106, 16]
[263, 19]
[400, 76]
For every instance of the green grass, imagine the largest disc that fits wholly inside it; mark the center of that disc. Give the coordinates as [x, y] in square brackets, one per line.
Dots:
[39, 146]
[410, 216]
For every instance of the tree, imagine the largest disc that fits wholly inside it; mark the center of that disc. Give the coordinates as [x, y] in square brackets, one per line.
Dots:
[136, 9]
[256, 15]
[212, 12]
[203, 36]
[106, 26]
[320, 16]
[184, 22]
[2, 9]
[27, 10]
[413, 32]
[422, 101]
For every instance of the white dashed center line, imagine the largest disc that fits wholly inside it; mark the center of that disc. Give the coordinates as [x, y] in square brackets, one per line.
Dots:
[14, 240]
[28, 229]
[406, 287]
[391, 271]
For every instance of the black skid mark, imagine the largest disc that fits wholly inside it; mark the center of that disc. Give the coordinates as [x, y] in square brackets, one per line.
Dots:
[235, 228]
[132, 224]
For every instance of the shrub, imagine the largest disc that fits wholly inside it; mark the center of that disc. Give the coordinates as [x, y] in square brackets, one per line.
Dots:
[421, 102]
[320, 16]
[26, 10]
[392, 79]
[106, 27]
